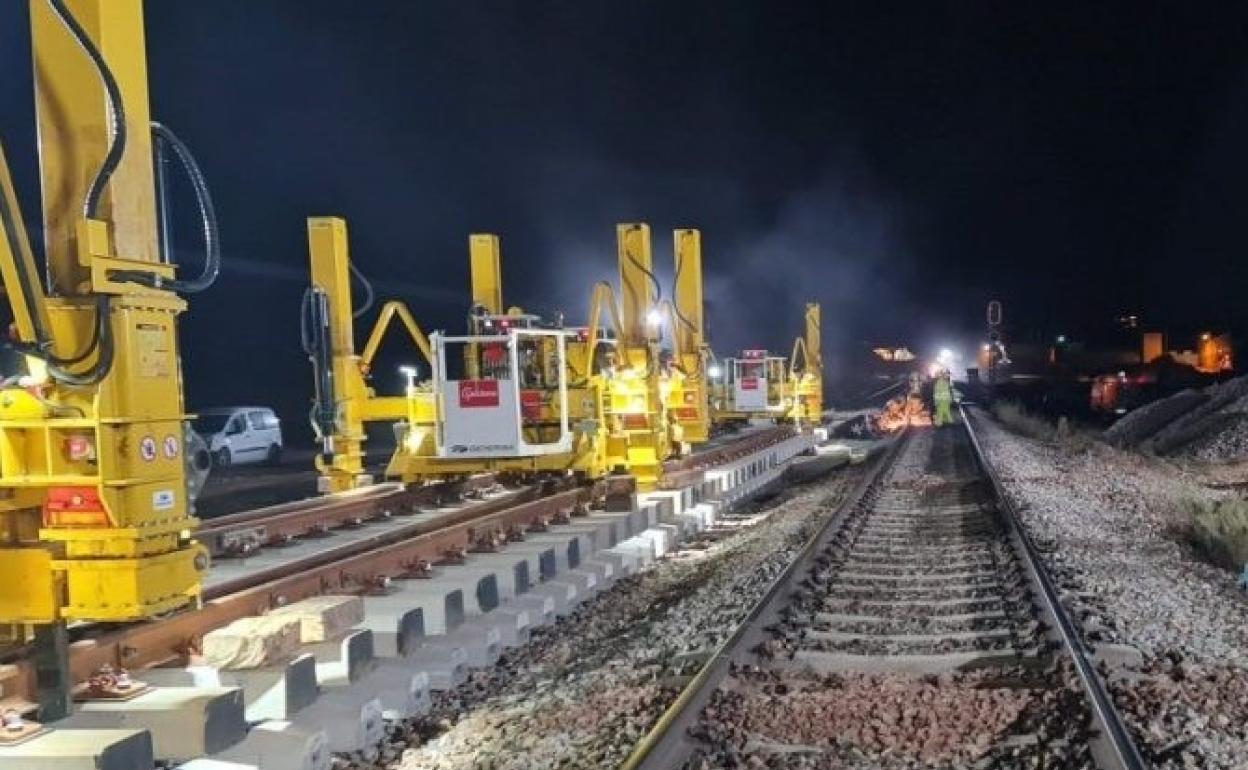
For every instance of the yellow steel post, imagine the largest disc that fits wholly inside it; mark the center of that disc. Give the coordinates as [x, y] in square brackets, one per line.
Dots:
[487, 278]
[119, 520]
[690, 406]
[331, 273]
[74, 133]
[639, 437]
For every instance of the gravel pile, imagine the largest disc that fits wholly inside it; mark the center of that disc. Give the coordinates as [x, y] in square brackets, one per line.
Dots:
[584, 690]
[858, 720]
[1209, 424]
[1107, 523]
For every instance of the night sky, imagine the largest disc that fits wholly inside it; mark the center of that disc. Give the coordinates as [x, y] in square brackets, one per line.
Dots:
[901, 162]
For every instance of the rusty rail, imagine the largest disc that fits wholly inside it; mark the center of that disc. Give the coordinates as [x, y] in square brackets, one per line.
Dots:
[357, 567]
[688, 470]
[242, 533]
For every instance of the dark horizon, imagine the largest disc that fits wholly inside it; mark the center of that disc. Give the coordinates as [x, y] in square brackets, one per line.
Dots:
[902, 165]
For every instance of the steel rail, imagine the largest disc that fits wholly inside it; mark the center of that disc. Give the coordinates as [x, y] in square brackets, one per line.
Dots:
[667, 743]
[663, 746]
[358, 568]
[241, 533]
[1125, 753]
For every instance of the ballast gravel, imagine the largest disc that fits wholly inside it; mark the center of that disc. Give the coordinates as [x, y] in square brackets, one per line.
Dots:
[1110, 523]
[583, 691]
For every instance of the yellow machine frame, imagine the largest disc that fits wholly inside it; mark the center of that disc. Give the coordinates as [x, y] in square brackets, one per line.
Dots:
[795, 386]
[618, 389]
[806, 371]
[93, 495]
[91, 477]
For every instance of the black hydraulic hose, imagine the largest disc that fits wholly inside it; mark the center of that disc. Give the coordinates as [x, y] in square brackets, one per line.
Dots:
[116, 109]
[314, 335]
[102, 336]
[208, 217]
[105, 348]
[98, 330]
[369, 296]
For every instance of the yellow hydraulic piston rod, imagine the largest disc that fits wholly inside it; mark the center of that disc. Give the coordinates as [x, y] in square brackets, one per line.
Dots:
[93, 496]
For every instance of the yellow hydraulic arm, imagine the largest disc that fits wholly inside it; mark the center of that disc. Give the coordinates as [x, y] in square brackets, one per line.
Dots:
[807, 377]
[344, 401]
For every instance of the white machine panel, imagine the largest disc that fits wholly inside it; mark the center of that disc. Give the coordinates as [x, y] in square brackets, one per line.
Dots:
[481, 419]
[750, 393]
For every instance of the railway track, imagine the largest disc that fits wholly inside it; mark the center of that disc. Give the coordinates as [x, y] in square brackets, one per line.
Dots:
[349, 543]
[916, 629]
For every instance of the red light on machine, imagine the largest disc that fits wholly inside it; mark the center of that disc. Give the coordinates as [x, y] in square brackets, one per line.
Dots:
[79, 448]
[634, 421]
[685, 414]
[749, 383]
[74, 507]
[754, 354]
[531, 404]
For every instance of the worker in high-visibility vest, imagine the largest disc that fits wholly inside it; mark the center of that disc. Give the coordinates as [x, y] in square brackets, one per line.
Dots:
[942, 394]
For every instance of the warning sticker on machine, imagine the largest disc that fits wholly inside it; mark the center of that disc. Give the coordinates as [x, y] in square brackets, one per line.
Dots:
[147, 449]
[163, 499]
[171, 447]
[155, 350]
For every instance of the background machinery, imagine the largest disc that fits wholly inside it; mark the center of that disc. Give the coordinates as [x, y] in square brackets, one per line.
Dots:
[93, 489]
[517, 393]
[806, 371]
[761, 386]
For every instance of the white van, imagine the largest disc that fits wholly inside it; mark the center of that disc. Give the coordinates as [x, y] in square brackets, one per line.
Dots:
[241, 434]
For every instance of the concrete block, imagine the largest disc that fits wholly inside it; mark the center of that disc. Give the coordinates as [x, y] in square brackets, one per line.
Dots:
[570, 546]
[543, 564]
[601, 532]
[539, 608]
[446, 666]
[513, 625]
[639, 551]
[563, 593]
[324, 618]
[515, 571]
[74, 749]
[619, 563]
[276, 692]
[663, 537]
[396, 626]
[479, 639]
[402, 690]
[586, 580]
[441, 605]
[344, 661]
[184, 722]
[604, 570]
[352, 720]
[217, 764]
[478, 589]
[670, 503]
[281, 745]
